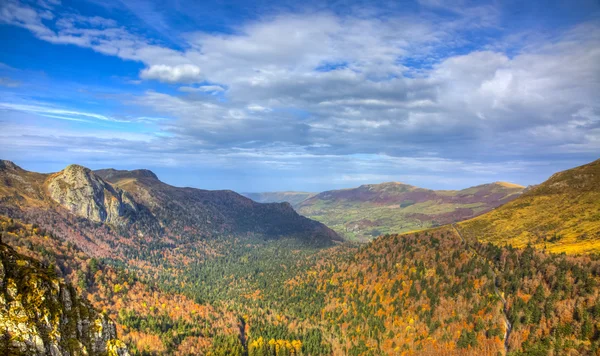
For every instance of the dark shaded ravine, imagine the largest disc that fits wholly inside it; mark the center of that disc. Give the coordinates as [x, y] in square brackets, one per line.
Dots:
[242, 327]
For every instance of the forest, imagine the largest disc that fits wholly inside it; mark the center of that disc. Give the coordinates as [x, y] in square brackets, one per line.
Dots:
[422, 293]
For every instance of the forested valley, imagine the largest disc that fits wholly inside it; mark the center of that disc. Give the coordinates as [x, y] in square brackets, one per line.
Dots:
[423, 293]
[218, 285]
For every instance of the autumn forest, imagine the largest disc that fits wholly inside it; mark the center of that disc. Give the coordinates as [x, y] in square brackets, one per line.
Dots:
[180, 289]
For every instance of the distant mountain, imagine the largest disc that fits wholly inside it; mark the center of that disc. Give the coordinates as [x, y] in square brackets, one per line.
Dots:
[560, 215]
[293, 198]
[371, 210]
[138, 203]
[41, 315]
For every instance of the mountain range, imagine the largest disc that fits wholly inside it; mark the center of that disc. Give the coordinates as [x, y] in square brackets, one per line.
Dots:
[138, 203]
[365, 212]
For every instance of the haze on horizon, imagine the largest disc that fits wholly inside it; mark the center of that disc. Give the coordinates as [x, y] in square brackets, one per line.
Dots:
[280, 96]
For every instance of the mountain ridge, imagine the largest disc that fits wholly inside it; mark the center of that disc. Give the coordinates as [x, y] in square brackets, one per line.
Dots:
[370, 210]
[111, 173]
[425, 292]
[138, 202]
[561, 214]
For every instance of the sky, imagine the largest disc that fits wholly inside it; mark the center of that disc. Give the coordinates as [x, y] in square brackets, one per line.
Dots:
[308, 96]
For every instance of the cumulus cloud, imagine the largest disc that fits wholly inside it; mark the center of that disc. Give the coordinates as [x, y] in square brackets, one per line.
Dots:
[184, 73]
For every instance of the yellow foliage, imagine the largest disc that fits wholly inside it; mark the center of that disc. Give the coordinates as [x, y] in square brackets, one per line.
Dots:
[560, 215]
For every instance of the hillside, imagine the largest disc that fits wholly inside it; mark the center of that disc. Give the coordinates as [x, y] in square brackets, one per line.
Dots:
[425, 293]
[430, 293]
[41, 315]
[293, 198]
[197, 212]
[371, 210]
[560, 215]
[137, 203]
[138, 249]
[130, 291]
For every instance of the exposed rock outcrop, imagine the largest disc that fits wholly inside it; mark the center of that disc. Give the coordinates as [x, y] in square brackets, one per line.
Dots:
[85, 194]
[41, 315]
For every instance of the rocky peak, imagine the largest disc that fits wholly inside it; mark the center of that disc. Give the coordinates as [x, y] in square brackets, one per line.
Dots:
[84, 193]
[8, 166]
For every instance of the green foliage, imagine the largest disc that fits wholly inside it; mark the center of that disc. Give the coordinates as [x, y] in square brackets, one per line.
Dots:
[467, 339]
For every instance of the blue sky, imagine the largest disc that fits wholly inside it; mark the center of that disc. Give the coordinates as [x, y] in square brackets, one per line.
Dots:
[275, 95]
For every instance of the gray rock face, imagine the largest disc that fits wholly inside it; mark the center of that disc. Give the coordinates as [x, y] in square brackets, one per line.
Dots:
[41, 315]
[85, 194]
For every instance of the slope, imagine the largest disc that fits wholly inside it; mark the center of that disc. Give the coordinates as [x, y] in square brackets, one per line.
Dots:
[419, 293]
[560, 215]
[41, 315]
[197, 212]
[374, 209]
[430, 293]
[137, 203]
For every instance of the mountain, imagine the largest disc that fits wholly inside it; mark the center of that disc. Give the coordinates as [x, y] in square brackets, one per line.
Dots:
[190, 211]
[560, 215]
[374, 209]
[41, 315]
[293, 198]
[138, 203]
[148, 254]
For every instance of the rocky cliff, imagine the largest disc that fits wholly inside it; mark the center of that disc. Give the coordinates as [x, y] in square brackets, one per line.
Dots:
[83, 193]
[41, 315]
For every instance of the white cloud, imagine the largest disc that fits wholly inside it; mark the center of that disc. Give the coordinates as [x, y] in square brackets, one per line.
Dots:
[330, 84]
[203, 88]
[8, 82]
[53, 112]
[259, 108]
[183, 73]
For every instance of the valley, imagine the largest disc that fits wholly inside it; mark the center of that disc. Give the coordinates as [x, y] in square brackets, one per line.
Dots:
[361, 214]
[299, 178]
[180, 272]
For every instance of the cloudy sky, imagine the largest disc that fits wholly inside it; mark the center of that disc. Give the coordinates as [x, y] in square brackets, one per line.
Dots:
[281, 96]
